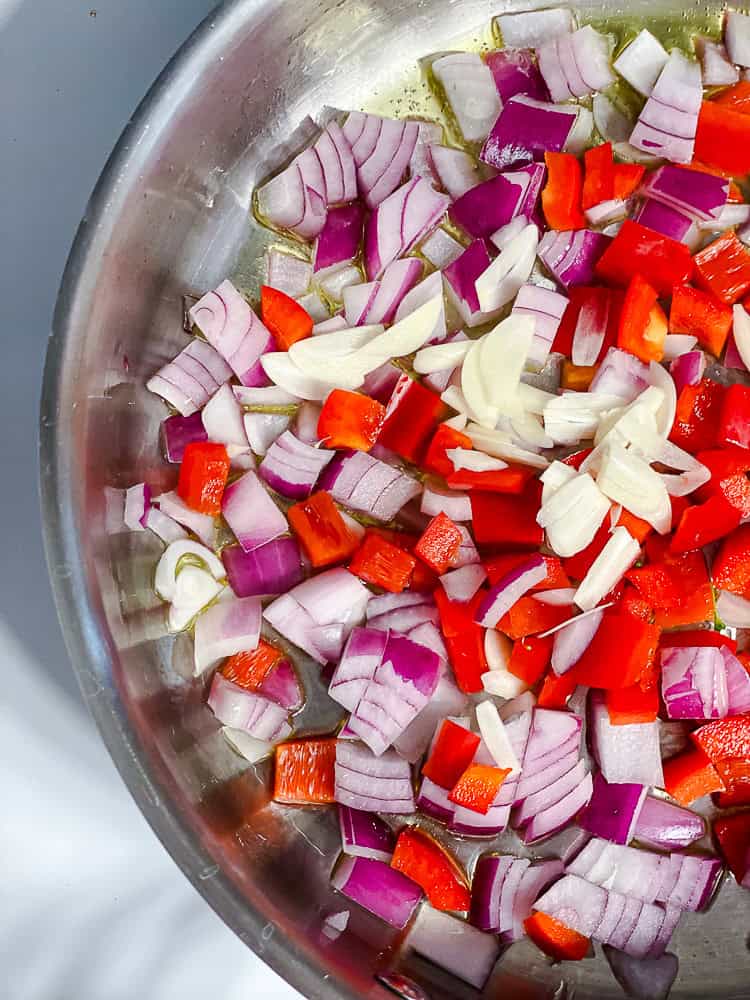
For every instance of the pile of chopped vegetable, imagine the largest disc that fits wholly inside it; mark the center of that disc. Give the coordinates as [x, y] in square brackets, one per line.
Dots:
[484, 449]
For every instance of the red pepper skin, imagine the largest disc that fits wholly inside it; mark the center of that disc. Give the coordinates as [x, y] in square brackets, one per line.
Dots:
[734, 424]
[435, 459]
[529, 616]
[464, 640]
[423, 579]
[722, 138]
[632, 603]
[696, 422]
[203, 476]
[642, 324]
[700, 315]
[439, 544]
[638, 250]
[561, 197]
[530, 657]
[284, 318]
[725, 742]
[632, 705]
[638, 528]
[708, 522]
[723, 268]
[511, 480]
[350, 420]
[697, 637]
[556, 939]
[555, 691]
[620, 654]
[382, 564]
[732, 834]
[478, 786]
[691, 775]
[729, 467]
[304, 772]
[508, 521]
[576, 460]
[499, 566]
[249, 669]
[627, 179]
[731, 566]
[321, 530]
[411, 419]
[427, 863]
[603, 303]
[599, 181]
[452, 753]
[736, 97]
[677, 587]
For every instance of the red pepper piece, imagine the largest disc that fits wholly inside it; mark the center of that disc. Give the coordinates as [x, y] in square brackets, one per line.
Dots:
[577, 566]
[643, 326]
[499, 566]
[697, 637]
[439, 544]
[577, 378]
[304, 772]
[691, 775]
[729, 467]
[411, 419]
[478, 786]
[633, 604]
[632, 704]
[576, 460]
[677, 587]
[249, 669]
[696, 422]
[530, 657]
[561, 197]
[705, 523]
[427, 863]
[723, 268]
[734, 424]
[601, 308]
[731, 566]
[638, 528]
[627, 179]
[725, 739]
[382, 564]
[452, 753]
[464, 640]
[733, 836]
[639, 250]
[599, 182]
[321, 530]
[508, 520]
[736, 97]
[722, 138]
[556, 939]
[423, 579]
[529, 616]
[350, 420]
[435, 459]
[283, 317]
[203, 476]
[555, 691]
[511, 480]
[622, 651]
[701, 315]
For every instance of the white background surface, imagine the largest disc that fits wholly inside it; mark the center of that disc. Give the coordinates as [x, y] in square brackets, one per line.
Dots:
[91, 906]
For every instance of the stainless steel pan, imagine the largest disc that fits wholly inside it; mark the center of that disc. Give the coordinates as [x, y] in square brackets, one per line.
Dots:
[170, 215]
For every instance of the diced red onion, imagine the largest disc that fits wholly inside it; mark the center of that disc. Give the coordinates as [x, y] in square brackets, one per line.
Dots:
[232, 328]
[454, 169]
[627, 753]
[485, 207]
[668, 221]
[649, 978]
[372, 784]
[456, 506]
[292, 467]
[378, 888]
[486, 890]
[440, 249]
[288, 273]
[694, 683]
[697, 194]
[641, 62]
[572, 642]
[164, 526]
[238, 708]
[454, 945]
[433, 801]
[515, 71]
[688, 369]
[251, 513]
[222, 419]
[446, 701]
[380, 167]
[427, 290]
[180, 431]
[364, 835]
[189, 381]
[230, 626]
[470, 90]
[401, 221]
[667, 826]
[202, 525]
[531, 28]
[420, 164]
[360, 659]
[737, 37]
[666, 126]
[525, 130]
[267, 570]
[262, 429]
[575, 65]
[571, 256]
[137, 503]
[314, 306]
[461, 584]
[504, 594]
[547, 308]
[378, 301]
[500, 283]
[676, 344]
[550, 795]
[613, 811]
[339, 241]
[733, 610]
[366, 484]
[282, 685]
[620, 374]
[559, 814]
[406, 619]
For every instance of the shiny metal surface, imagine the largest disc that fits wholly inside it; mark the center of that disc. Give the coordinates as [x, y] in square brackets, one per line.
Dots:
[171, 215]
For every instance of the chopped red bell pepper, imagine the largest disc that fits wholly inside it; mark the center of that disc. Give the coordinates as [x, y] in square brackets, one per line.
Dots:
[379, 562]
[556, 939]
[638, 528]
[478, 786]
[691, 775]
[439, 544]
[451, 754]
[464, 640]
[722, 139]
[411, 419]
[736, 97]
[555, 691]
[249, 669]
[697, 637]
[733, 836]
[725, 740]
[577, 378]
[677, 587]
[511, 480]
[304, 772]
[642, 323]
[700, 314]
[601, 308]
[529, 616]
[577, 566]
[696, 421]
[530, 657]
[321, 530]
[508, 520]
[423, 579]
[203, 476]
[632, 603]
[632, 704]
[284, 318]
[628, 177]
[622, 651]
[639, 250]
[561, 197]
[723, 268]
[734, 424]
[599, 181]
[729, 467]
[705, 523]
[576, 460]
[499, 566]
[731, 566]
[418, 856]
[350, 420]
[435, 459]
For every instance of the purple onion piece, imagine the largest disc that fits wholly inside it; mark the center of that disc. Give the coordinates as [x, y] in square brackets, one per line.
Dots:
[504, 594]
[268, 570]
[365, 835]
[378, 888]
[613, 810]
[177, 432]
[665, 825]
